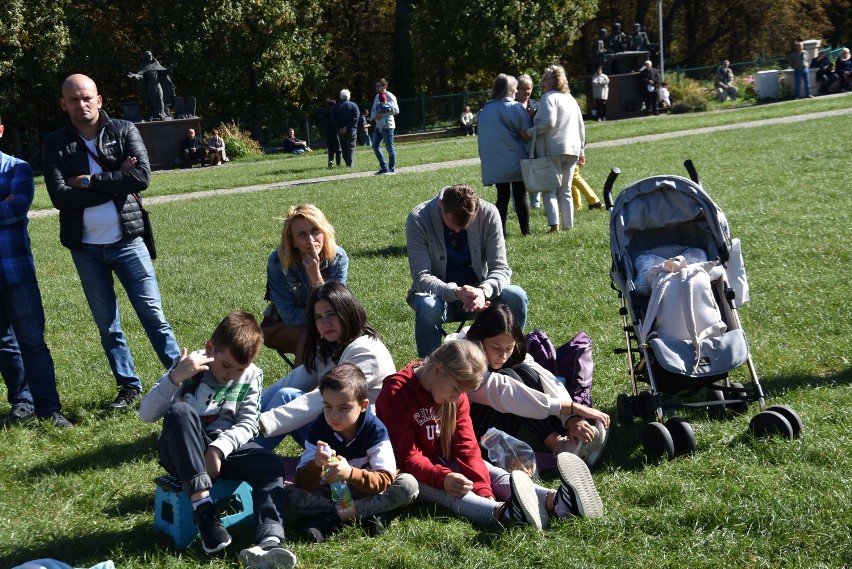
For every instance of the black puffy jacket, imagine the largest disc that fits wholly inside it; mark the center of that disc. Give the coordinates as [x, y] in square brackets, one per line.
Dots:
[64, 155]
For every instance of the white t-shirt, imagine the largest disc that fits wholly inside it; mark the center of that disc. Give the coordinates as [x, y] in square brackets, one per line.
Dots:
[101, 225]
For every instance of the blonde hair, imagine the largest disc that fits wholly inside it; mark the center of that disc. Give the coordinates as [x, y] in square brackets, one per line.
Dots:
[560, 79]
[465, 362]
[288, 253]
[525, 79]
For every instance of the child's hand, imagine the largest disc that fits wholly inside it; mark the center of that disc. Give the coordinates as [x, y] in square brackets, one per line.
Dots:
[580, 430]
[591, 413]
[213, 461]
[188, 366]
[457, 485]
[338, 471]
[324, 452]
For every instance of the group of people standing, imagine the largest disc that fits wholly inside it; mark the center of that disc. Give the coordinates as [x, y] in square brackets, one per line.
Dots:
[511, 122]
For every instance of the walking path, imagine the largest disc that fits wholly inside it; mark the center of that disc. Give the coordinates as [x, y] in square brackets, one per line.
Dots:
[474, 161]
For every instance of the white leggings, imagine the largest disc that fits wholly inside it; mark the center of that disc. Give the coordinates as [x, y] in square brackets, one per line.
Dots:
[478, 510]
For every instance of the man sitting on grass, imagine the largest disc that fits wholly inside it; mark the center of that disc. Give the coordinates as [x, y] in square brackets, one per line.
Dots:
[209, 405]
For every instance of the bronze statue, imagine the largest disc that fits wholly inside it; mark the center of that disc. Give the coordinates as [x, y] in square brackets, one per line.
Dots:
[155, 86]
[638, 39]
[618, 39]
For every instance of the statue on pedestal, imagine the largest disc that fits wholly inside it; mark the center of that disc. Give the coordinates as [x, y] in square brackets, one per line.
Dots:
[638, 39]
[155, 87]
[618, 40]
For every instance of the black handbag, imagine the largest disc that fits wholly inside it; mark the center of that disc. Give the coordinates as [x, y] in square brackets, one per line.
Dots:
[148, 229]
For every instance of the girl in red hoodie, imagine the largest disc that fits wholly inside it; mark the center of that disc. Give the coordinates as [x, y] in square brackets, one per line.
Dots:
[427, 414]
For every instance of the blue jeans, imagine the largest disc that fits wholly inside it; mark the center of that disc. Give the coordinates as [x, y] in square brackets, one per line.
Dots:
[130, 262]
[25, 360]
[386, 135]
[802, 75]
[272, 398]
[431, 313]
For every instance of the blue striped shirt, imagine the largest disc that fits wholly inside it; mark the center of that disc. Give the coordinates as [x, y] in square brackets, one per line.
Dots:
[17, 190]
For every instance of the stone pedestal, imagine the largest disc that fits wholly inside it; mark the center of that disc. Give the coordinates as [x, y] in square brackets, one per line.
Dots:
[790, 80]
[163, 139]
[625, 96]
[766, 84]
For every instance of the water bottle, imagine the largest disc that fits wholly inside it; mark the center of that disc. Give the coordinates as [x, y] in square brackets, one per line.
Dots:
[340, 493]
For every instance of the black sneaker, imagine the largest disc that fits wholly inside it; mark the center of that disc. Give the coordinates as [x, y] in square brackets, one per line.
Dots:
[597, 205]
[59, 420]
[577, 494]
[375, 525]
[19, 413]
[126, 397]
[319, 529]
[523, 504]
[214, 536]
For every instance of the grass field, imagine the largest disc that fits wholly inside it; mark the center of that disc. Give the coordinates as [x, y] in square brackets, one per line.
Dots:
[85, 495]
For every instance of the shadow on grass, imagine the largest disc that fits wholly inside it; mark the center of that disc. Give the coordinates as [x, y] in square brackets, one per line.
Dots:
[624, 440]
[106, 456]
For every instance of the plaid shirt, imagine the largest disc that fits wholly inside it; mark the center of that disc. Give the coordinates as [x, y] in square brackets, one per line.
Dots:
[16, 258]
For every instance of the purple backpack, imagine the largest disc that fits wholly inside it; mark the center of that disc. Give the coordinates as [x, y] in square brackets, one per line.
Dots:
[541, 349]
[574, 363]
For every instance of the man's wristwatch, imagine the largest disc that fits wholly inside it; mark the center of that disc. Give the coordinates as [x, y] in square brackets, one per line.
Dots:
[86, 181]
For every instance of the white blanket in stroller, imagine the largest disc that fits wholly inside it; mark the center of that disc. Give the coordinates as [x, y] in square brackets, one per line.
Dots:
[682, 303]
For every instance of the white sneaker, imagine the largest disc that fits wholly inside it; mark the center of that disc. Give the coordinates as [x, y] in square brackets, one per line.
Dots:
[593, 450]
[275, 558]
[577, 494]
[523, 505]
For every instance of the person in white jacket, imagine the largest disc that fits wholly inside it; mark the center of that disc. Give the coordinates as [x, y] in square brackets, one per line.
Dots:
[338, 332]
[560, 134]
[537, 401]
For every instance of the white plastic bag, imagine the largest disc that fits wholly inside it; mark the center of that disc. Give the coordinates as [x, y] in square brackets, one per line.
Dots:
[509, 453]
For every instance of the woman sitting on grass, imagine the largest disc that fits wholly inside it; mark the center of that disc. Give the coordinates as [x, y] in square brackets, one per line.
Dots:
[307, 257]
[507, 400]
[339, 333]
[426, 411]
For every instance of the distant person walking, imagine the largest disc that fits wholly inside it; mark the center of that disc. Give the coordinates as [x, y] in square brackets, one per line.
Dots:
[385, 108]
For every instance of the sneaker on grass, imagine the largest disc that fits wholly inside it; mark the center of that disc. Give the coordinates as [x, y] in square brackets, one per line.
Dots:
[19, 413]
[523, 504]
[267, 557]
[593, 450]
[214, 536]
[126, 397]
[577, 494]
[320, 529]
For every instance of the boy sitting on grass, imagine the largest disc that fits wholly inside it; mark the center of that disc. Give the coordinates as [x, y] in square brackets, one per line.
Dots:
[348, 430]
[209, 405]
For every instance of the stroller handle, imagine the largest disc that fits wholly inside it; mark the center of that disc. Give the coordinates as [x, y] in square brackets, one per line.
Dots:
[693, 173]
[610, 182]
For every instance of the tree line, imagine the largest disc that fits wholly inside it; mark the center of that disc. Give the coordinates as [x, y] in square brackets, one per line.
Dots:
[270, 60]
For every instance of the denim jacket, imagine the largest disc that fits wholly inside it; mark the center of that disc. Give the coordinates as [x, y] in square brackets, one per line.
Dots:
[289, 289]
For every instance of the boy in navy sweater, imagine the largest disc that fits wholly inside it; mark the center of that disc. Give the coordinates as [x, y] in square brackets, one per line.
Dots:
[348, 430]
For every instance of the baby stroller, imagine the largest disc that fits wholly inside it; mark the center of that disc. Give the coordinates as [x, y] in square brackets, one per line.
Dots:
[681, 280]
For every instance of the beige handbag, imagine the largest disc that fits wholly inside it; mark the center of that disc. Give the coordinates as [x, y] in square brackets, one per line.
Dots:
[539, 174]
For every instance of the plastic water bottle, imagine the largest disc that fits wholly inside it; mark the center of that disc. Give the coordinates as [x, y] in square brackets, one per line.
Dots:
[340, 493]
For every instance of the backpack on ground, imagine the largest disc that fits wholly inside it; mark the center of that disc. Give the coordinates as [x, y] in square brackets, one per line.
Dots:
[542, 350]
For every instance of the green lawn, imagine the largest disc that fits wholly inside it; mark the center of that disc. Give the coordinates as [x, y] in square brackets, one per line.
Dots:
[86, 495]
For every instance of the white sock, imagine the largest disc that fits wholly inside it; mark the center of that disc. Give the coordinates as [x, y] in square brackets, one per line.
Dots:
[201, 501]
[269, 542]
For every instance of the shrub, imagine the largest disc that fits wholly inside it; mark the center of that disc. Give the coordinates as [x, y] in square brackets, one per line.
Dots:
[690, 96]
[238, 142]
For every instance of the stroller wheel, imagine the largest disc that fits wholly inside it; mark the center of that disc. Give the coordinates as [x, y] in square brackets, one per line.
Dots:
[739, 392]
[624, 408]
[791, 416]
[716, 412]
[647, 406]
[770, 423]
[682, 434]
[657, 441]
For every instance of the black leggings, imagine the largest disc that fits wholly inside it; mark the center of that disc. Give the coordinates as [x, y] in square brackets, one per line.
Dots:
[522, 208]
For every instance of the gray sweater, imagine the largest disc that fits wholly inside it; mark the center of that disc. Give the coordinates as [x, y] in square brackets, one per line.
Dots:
[427, 251]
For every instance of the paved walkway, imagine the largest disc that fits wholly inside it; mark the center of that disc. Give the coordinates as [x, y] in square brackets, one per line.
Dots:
[474, 161]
